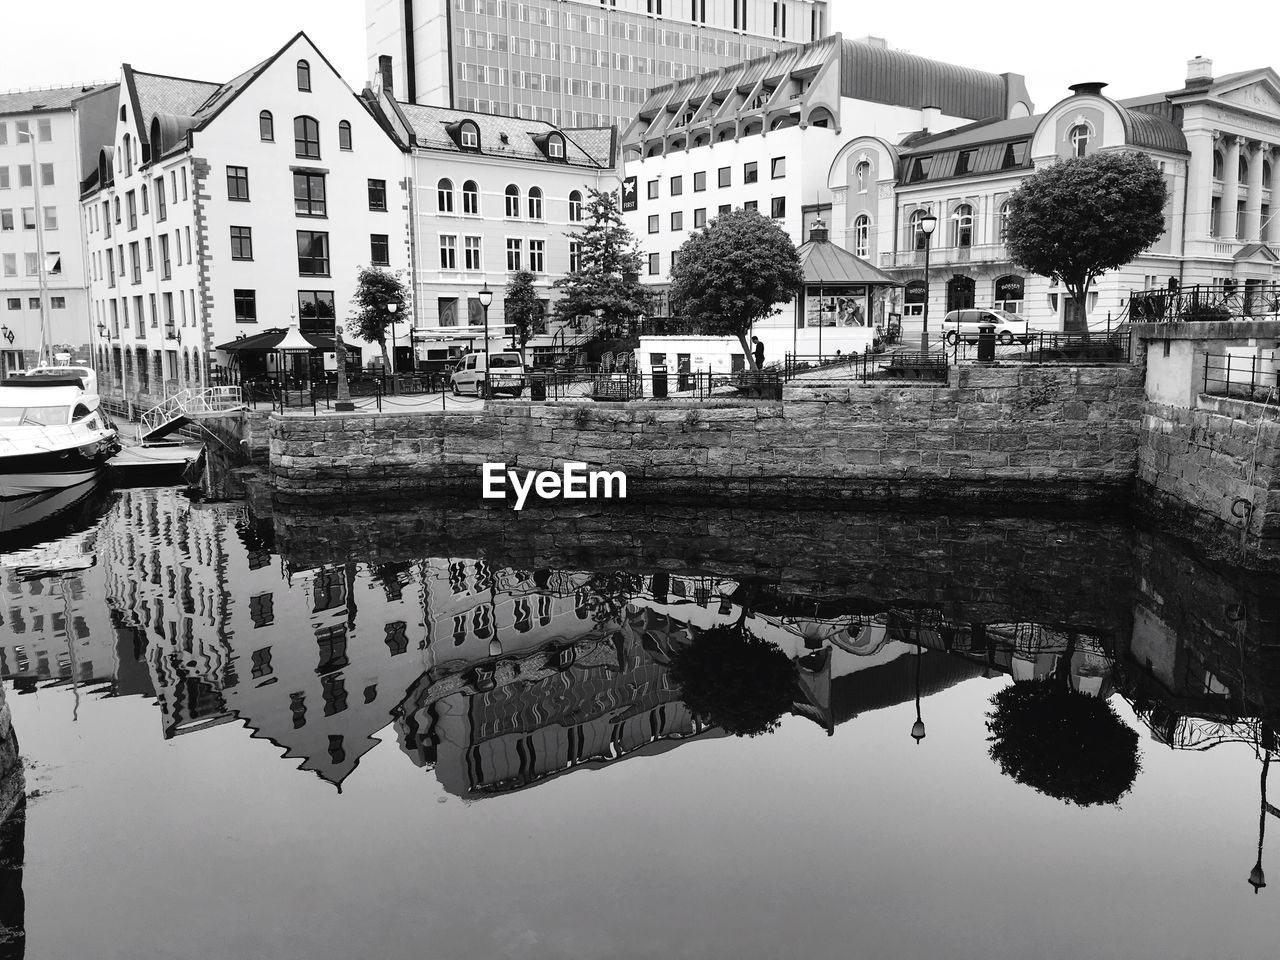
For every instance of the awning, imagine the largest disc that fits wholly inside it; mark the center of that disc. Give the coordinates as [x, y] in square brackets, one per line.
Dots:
[269, 341]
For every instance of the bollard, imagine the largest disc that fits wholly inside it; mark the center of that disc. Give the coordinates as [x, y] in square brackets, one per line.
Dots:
[986, 342]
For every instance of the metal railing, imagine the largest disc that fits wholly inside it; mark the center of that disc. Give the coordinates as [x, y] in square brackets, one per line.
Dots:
[941, 256]
[1251, 377]
[1046, 347]
[1206, 302]
[899, 366]
[636, 385]
[190, 405]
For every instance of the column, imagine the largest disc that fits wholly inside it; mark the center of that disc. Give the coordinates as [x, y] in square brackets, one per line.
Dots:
[1269, 224]
[1253, 203]
[1230, 188]
[1199, 185]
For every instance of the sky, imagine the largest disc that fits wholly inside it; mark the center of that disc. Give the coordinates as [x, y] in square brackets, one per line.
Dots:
[1137, 48]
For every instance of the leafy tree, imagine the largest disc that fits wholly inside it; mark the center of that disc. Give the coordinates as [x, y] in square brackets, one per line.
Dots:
[733, 272]
[608, 274]
[1078, 218]
[1063, 743]
[732, 679]
[370, 317]
[523, 308]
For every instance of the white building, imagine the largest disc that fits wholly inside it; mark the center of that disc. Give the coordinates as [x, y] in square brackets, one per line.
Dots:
[492, 195]
[47, 139]
[192, 238]
[763, 135]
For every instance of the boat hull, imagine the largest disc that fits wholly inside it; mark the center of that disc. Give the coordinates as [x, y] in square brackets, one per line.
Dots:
[27, 473]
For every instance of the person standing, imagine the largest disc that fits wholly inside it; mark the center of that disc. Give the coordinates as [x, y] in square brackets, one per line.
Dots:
[759, 352]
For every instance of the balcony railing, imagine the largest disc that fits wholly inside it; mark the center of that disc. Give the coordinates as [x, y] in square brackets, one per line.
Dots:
[941, 256]
[1206, 302]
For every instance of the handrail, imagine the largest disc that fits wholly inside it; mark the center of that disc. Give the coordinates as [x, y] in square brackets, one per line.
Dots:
[206, 401]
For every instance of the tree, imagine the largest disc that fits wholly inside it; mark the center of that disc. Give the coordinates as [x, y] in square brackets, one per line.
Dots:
[370, 316]
[734, 272]
[730, 678]
[1063, 743]
[523, 308]
[608, 274]
[1078, 218]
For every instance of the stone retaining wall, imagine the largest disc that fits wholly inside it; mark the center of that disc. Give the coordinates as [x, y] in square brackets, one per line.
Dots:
[1013, 433]
[12, 783]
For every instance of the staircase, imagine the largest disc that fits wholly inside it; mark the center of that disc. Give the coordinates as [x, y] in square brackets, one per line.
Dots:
[186, 405]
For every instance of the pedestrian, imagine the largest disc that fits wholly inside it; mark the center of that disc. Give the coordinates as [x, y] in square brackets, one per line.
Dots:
[759, 351]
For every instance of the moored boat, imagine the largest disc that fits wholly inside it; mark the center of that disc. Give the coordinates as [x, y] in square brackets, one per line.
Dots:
[52, 434]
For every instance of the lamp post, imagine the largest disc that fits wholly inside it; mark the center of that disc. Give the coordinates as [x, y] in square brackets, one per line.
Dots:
[41, 267]
[395, 362]
[486, 298]
[928, 223]
[1258, 879]
[917, 728]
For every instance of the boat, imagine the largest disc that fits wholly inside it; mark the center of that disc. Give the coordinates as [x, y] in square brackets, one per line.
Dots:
[53, 433]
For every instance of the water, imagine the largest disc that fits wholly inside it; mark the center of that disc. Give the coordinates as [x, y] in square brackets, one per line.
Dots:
[447, 731]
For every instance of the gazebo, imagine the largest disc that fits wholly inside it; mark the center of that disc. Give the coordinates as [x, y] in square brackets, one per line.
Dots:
[285, 354]
[843, 297]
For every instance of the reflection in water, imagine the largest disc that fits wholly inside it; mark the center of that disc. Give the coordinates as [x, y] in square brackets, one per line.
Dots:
[12, 901]
[498, 674]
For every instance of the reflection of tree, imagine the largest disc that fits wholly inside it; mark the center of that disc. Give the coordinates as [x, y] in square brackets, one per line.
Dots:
[731, 678]
[1063, 743]
[607, 594]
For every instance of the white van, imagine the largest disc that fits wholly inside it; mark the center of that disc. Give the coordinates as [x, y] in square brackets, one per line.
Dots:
[506, 374]
[966, 324]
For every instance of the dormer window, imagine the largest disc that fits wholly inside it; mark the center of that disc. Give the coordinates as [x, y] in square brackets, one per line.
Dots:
[555, 147]
[469, 136]
[1078, 137]
[304, 76]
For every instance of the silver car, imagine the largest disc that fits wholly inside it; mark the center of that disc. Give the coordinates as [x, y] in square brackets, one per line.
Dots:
[965, 325]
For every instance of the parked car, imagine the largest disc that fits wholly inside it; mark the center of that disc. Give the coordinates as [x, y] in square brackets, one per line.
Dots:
[964, 324]
[506, 374]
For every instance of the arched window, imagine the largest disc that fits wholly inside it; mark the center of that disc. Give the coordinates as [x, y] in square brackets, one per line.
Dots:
[469, 136]
[575, 206]
[444, 196]
[186, 367]
[535, 203]
[470, 198]
[1266, 174]
[1243, 170]
[266, 127]
[963, 220]
[1002, 221]
[304, 76]
[513, 201]
[555, 147]
[916, 237]
[195, 362]
[128, 155]
[306, 137]
[862, 174]
[344, 135]
[1078, 137]
[862, 236]
[1217, 164]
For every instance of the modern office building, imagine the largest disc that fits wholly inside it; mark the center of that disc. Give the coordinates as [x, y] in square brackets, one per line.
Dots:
[47, 139]
[573, 63]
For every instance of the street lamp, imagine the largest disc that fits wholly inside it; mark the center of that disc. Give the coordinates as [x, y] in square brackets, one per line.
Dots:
[928, 223]
[1258, 879]
[486, 298]
[395, 363]
[917, 728]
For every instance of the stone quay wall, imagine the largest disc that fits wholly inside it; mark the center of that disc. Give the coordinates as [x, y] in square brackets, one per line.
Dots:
[1015, 433]
[12, 782]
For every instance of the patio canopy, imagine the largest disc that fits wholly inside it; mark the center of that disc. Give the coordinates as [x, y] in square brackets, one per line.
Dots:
[269, 341]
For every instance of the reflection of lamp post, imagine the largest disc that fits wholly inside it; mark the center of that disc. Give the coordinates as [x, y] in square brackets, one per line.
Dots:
[928, 223]
[917, 728]
[486, 298]
[1257, 879]
[395, 361]
[6, 333]
[343, 401]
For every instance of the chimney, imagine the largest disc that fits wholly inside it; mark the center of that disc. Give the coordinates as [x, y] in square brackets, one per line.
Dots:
[385, 75]
[929, 118]
[1199, 72]
[818, 232]
[1080, 89]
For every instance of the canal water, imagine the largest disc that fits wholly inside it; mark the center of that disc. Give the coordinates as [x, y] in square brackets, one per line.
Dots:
[450, 732]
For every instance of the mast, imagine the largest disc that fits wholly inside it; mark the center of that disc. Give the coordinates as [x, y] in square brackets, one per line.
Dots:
[44, 356]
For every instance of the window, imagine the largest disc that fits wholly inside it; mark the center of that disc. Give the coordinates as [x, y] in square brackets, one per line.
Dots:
[555, 147]
[237, 183]
[1218, 164]
[304, 76]
[241, 243]
[513, 200]
[1015, 155]
[51, 218]
[306, 137]
[963, 161]
[246, 302]
[470, 198]
[471, 253]
[778, 168]
[309, 195]
[57, 303]
[315, 311]
[10, 264]
[162, 207]
[144, 200]
[24, 174]
[575, 206]
[752, 205]
[448, 252]
[653, 264]
[44, 130]
[514, 248]
[131, 205]
[749, 173]
[4, 176]
[313, 253]
[535, 203]
[46, 174]
[146, 246]
[379, 249]
[344, 135]
[537, 256]
[862, 236]
[377, 194]
[1002, 221]
[575, 255]
[654, 224]
[14, 303]
[700, 217]
[1078, 137]
[166, 269]
[266, 127]
[653, 189]
[862, 176]
[778, 207]
[444, 196]
[6, 220]
[677, 220]
[916, 237]
[700, 181]
[963, 229]
[135, 262]
[725, 177]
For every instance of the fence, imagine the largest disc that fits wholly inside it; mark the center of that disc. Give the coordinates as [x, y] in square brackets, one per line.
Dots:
[1206, 302]
[1044, 347]
[926, 368]
[1248, 377]
[637, 385]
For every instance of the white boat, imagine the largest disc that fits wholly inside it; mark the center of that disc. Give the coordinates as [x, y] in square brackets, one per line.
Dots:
[52, 434]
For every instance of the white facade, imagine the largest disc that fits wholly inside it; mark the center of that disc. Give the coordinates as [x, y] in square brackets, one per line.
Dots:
[223, 210]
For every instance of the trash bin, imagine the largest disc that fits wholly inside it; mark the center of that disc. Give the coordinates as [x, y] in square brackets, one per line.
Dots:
[986, 341]
[659, 382]
[537, 387]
